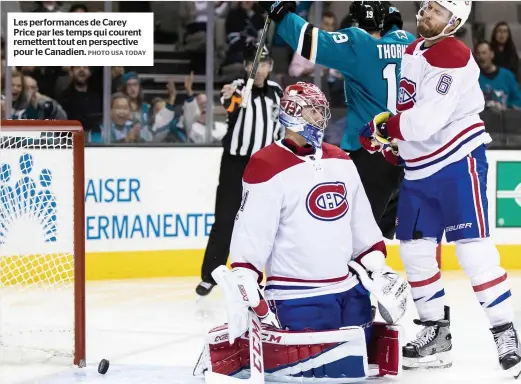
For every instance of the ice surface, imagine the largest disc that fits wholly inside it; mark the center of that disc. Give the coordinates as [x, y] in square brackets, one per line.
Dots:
[152, 332]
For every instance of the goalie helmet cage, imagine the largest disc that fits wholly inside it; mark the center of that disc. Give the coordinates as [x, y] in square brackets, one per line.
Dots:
[48, 276]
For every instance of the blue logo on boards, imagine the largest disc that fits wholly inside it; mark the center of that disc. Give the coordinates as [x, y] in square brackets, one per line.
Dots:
[25, 198]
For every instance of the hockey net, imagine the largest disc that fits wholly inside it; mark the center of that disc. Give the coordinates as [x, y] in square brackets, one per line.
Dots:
[42, 246]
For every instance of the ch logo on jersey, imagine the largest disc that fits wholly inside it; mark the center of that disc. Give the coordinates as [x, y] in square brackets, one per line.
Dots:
[327, 201]
[407, 95]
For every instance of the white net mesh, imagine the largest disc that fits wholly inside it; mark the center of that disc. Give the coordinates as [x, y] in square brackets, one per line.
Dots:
[36, 246]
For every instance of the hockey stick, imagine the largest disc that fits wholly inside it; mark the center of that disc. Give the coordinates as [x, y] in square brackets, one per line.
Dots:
[251, 78]
[256, 358]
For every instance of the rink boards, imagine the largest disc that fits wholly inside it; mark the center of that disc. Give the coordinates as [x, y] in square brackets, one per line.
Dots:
[149, 211]
[169, 209]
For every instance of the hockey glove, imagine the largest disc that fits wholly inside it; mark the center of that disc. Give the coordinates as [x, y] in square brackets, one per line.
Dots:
[390, 153]
[242, 293]
[376, 131]
[278, 9]
[389, 289]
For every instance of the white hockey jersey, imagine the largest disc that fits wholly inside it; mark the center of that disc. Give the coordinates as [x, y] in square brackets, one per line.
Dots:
[439, 104]
[302, 219]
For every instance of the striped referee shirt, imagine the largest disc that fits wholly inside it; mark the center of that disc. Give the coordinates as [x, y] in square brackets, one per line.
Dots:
[256, 126]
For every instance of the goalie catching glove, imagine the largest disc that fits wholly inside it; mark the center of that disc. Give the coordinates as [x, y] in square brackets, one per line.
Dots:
[389, 289]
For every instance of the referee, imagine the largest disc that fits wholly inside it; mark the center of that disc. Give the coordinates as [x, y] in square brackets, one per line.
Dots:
[249, 130]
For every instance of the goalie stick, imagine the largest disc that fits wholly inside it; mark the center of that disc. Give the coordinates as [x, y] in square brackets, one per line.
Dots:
[251, 78]
[256, 358]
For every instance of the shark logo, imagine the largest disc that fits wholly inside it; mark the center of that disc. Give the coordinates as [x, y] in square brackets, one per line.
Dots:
[27, 199]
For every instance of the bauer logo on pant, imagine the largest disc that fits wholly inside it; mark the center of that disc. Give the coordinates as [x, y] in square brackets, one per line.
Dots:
[327, 201]
[26, 199]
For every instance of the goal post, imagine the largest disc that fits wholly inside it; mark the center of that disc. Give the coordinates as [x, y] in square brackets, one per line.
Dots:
[42, 241]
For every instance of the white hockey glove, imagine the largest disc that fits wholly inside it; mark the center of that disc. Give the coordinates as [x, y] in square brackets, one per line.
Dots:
[242, 293]
[389, 289]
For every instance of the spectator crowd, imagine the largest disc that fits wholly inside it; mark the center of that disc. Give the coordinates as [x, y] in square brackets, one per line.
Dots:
[175, 112]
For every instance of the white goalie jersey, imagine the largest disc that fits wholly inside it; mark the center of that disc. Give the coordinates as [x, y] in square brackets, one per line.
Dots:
[302, 219]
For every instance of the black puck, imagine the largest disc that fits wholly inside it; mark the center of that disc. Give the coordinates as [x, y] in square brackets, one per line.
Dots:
[103, 366]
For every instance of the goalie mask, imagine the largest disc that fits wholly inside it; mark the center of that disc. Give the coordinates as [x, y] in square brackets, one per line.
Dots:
[460, 11]
[304, 109]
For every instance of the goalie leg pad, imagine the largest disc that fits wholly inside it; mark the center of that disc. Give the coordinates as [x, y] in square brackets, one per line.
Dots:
[384, 350]
[291, 356]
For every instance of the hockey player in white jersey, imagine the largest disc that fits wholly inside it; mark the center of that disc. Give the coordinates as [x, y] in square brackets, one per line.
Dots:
[304, 217]
[441, 142]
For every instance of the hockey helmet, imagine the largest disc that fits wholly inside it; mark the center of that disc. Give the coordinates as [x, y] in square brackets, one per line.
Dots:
[304, 109]
[251, 50]
[460, 10]
[367, 15]
[392, 17]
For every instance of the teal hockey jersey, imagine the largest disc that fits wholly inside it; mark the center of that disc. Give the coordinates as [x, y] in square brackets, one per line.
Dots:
[370, 66]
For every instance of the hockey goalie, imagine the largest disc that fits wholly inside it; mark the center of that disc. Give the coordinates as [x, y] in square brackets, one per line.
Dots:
[306, 221]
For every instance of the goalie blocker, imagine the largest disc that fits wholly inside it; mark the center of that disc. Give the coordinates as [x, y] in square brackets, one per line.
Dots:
[333, 356]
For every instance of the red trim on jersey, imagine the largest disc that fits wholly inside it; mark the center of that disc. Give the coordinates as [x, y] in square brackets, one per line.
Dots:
[330, 151]
[476, 195]
[380, 246]
[439, 150]
[449, 53]
[298, 149]
[250, 267]
[269, 162]
[490, 284]
[423, 283]
[411, 47]
[294, 280]
[393, 127]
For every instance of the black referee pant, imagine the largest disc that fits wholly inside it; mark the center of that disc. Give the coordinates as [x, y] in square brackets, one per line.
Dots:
[227, 203]
[381, 181]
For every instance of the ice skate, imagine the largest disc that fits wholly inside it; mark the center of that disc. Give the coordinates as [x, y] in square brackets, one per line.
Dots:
[508, 348]
[432, 346]
[204, 288]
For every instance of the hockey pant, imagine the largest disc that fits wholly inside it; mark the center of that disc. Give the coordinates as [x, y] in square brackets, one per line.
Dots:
[452, 201]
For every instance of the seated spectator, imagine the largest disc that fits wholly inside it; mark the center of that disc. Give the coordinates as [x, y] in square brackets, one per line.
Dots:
[82, 102]
[498, 84]
[195, 16]
[46, 108]
[194, 117]
[28, 103]
[164, 122]
[46, 77]
[123, 129]
[22, 105]
[117, 78]
[243, 25]
[78, 8]
[505, 53]
[131, 87]
[49, 6]
[2, 108]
